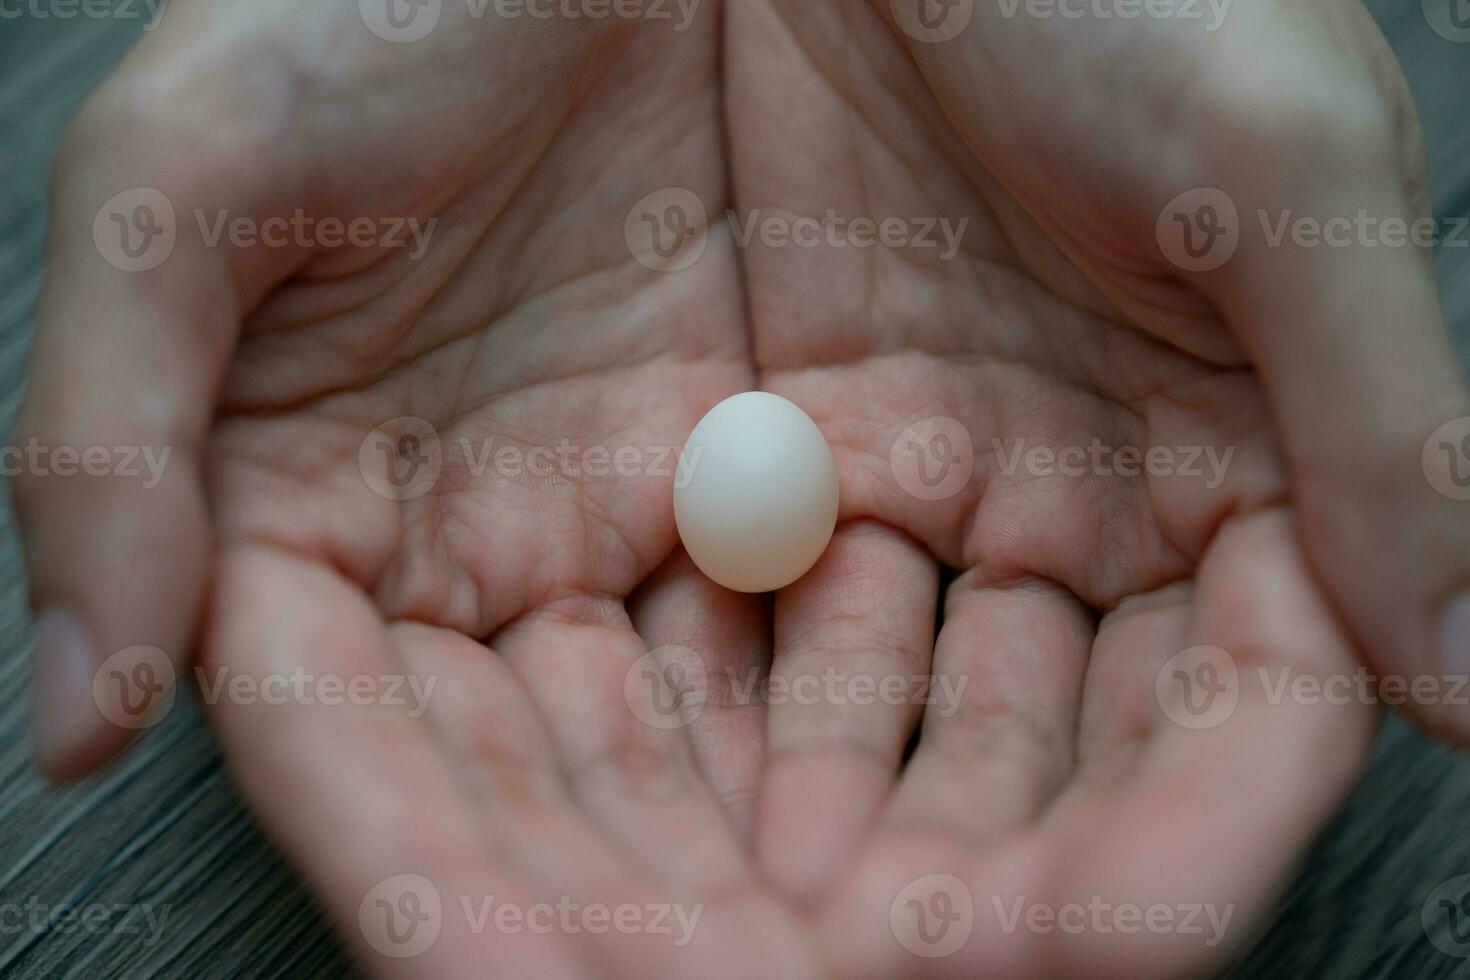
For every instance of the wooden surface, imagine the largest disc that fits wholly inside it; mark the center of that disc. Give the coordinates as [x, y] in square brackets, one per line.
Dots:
[165, 830]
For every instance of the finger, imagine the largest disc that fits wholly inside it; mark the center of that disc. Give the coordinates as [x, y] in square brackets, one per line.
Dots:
[1159, 817]
[998, 740]
[505, 760]
[729, 635]
[622, 740]
[356, 791]
[1135, 869]
[124, 367]
[1120, 712]
[1366, 388]
[136, 323]
[854, 639]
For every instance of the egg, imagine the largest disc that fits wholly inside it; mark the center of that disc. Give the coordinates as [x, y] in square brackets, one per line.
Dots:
[756, 503]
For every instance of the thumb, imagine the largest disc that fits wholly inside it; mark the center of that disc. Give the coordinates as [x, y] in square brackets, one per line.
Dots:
[1346, 331]
[135, 326]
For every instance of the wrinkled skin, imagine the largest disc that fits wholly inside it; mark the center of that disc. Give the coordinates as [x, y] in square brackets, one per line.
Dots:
[1055, 778]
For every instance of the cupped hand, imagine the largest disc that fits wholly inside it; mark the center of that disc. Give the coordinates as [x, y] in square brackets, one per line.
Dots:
[477, 312]
[472, 582]
[1157, 503]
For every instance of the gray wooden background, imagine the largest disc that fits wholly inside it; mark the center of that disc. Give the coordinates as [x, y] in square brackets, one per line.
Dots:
[165, 830]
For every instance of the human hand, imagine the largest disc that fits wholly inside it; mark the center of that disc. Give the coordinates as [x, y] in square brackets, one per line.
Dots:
[525, 323]
[263, 369]
[1060, 775]
[1120, 137]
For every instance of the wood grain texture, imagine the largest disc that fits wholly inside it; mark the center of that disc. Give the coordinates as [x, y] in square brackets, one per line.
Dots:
[165, 829]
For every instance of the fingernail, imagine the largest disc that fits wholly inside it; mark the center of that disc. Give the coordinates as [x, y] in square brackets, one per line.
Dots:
[1454, 636]
[63, 711]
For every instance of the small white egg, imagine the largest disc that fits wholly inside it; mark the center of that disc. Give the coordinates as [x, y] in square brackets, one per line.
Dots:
[758, 499]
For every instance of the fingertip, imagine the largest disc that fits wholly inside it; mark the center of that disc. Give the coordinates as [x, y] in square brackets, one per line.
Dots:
[1454, 634]
[71, 736]
[1451, 717]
